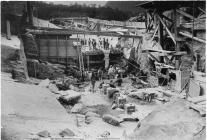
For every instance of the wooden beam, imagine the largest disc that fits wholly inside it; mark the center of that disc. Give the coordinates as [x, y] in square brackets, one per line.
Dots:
[192, 37]
[69, 32]
[164, 65]
[175, 28]
[167, 18]
[8, 30]
[154, 57]
[66, 49]
[167, 29]
[155, 32]
[202, 10]
[48, 49]
[160, 33]
[186, 14]
[38, 46]
[88, 62]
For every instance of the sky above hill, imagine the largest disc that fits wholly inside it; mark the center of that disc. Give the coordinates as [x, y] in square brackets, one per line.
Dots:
[101, 3]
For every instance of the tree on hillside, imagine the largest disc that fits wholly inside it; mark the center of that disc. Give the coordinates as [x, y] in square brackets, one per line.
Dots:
[49, 10]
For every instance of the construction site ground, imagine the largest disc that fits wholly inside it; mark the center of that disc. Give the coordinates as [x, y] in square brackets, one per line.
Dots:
[28, 109]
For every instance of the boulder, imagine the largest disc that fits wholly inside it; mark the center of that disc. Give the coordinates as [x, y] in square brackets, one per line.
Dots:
[71, 98]
[79, 108]
[44, 134]
[111, 119]
[67, 132]
[53, 88]
[44, 83]
[18, 74]
[171, 121]
[114, 106]
[92, 114]
[126, 117]
[111, 92]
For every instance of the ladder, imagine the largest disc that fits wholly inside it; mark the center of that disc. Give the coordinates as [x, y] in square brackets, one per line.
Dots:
[80, 58]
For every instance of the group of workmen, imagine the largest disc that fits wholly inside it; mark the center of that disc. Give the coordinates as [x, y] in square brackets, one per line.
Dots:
[101, 44]
[93, 44]
[114, 74]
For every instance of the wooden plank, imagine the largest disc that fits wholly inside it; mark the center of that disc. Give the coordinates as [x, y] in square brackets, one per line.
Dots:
[167, 18]
[192, 37]
[160, 33]
[155, 32]
[160, 51]
[186, 14]
[96, 62]
[154, 57]
[197, 99]
[164, 65]
[198, 108]
[168, 31]
[202, 10]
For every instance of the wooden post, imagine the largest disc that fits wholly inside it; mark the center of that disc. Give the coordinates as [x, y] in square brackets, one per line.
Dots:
[154, 33]
[30, 12]
[38, 45]
[160, 35]
[23, 59]
[8, 31]
[177, 48]
[48, 50]
[88, 62]
[66, 48]
[168, 31]
[57, 49]
[175, 29]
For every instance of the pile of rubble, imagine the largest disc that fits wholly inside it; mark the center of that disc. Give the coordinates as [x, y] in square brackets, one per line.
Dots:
[43, 70]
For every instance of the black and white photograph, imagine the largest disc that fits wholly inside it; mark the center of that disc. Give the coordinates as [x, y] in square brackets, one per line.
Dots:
[103, 70]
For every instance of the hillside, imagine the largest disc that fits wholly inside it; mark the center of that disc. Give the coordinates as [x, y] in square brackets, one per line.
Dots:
[125, 5]
[47, 11]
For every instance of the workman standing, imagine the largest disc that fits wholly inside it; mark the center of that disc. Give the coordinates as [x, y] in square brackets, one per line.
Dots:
[93, 81]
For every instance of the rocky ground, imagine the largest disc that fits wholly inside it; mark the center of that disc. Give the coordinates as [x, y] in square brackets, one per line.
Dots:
[29, 108]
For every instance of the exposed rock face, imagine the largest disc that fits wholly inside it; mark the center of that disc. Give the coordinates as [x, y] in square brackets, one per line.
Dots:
[30, 46]
[173, 121]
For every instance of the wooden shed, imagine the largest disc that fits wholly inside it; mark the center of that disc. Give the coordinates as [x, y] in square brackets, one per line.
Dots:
[57, 48]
